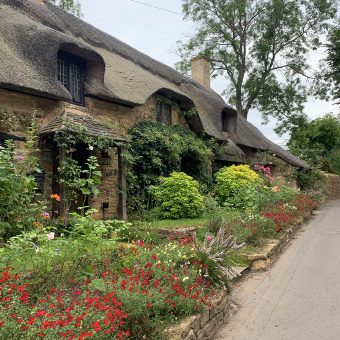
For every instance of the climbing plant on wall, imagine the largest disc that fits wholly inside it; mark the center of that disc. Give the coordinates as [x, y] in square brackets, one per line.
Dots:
[78, 177]
[158, 150]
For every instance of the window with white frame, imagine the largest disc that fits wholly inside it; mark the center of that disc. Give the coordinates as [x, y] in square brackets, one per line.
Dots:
[71, 72]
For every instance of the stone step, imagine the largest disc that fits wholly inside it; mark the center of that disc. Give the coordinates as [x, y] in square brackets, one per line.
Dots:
[239, 270]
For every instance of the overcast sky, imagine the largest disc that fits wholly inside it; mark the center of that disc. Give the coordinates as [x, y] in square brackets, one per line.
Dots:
[154, 32]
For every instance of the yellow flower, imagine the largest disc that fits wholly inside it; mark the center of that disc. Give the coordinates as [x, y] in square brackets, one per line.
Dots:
[184, 256]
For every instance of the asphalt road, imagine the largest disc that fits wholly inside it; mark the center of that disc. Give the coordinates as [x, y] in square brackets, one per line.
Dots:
[299, 297]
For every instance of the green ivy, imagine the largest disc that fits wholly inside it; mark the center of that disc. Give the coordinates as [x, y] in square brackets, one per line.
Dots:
[157, 150]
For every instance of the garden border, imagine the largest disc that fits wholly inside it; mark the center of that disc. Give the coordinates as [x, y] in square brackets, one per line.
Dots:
[206, 325]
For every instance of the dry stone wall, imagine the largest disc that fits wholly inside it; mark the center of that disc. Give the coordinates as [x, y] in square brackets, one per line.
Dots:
[333, 186]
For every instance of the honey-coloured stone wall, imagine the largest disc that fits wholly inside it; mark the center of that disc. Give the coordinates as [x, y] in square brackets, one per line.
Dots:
[332, 186]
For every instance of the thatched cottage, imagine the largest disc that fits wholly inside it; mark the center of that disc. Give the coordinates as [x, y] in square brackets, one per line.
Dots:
[56, 64]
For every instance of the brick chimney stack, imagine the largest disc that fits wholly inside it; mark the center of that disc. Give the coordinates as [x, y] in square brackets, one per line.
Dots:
[200, 70]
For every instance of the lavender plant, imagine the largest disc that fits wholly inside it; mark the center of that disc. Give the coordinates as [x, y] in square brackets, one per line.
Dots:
[215, 255]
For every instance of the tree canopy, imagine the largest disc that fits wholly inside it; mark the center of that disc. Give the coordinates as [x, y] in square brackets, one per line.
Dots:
[262, 48]
[72, 6]
[318, 141]
[327, 84]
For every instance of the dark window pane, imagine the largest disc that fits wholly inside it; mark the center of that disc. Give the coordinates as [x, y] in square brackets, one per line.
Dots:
[75, 83]
[167, 114]
[62, 72]
[159, 111]
[71, 72]
[224, 122]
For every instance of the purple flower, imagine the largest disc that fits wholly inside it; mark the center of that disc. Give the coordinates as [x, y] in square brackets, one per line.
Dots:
[57, 249]
[84, 255]
[20, 157]
[161, 180]
[56, 211]
[35, 246]
[46, 214]
[136, 265]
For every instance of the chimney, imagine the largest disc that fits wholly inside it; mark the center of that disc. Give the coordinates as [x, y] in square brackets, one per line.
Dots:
[200, 70]
[41, 1]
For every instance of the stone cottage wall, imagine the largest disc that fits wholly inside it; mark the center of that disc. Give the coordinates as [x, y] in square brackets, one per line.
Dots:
[280, 170]
[120, 117]
[332, 186]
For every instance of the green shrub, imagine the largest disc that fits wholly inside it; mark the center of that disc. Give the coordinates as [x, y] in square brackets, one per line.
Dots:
[214, 213]
[178, 196]
[157, 150]
[230, 180]
[311, 178]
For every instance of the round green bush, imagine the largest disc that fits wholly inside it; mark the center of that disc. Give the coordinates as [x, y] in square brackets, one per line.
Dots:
[231, 180]
[178, 196]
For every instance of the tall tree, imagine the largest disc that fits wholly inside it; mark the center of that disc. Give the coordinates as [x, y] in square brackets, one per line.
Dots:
[262, 48]
[327, 84]
[72, 6]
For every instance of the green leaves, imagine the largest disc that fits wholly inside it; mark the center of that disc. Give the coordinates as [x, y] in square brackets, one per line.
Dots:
[179, 196]
[255, 44]
[157, 150]
[231, 180]
[72, 6]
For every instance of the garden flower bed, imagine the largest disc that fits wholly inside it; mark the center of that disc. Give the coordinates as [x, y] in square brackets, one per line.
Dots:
[75, 277]
[206, 325]
[137, 290]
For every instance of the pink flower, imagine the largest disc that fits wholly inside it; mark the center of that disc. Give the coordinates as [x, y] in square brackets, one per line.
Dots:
[50, 235]
[209, 238]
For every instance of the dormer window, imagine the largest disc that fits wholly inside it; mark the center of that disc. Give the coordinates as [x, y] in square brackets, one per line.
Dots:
[163, 112]
[71, 72]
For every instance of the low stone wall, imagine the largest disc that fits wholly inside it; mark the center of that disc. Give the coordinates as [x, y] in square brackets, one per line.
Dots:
[333, 186]
[176, 233]
[206, 325]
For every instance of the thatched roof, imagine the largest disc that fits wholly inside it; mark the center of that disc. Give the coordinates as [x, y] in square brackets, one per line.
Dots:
[250, 136]
[31, 34]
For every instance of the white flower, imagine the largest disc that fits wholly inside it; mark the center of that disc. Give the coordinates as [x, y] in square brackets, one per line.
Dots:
[91, 147]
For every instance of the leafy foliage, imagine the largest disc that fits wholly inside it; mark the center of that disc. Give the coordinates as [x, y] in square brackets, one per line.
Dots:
[311, 178]
[318, 142]
[179, 196]
[157, 150]
[17, 186]
[80, 177]
[72, 6]
[327, 84]
[261, 46]
[230, 180]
